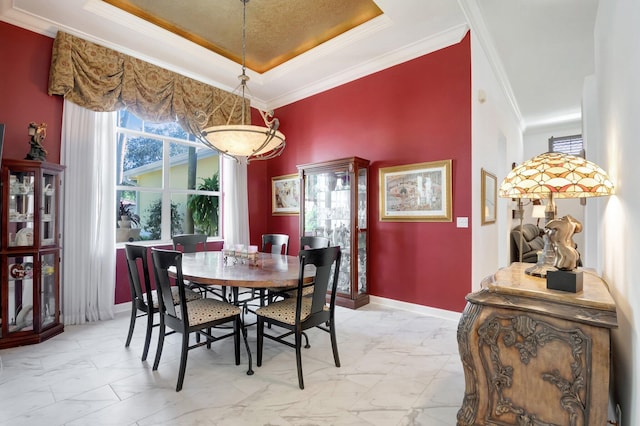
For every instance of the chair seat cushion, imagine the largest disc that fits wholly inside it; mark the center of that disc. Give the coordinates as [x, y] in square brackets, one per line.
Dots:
[306, 291]
[205, 310]
[175, 293]
[285, 310]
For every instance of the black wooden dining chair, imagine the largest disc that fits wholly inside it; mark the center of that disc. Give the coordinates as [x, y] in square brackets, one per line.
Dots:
[197, 316]
[275, 243]
[306, 242]
[313, 242]
[189, 243]
[143, 300]
[302, 313]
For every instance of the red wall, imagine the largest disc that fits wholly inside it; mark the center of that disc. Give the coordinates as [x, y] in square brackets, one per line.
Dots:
[25, 58]
[414, 112]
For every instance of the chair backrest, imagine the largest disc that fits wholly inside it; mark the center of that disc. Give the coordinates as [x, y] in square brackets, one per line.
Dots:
[275, 243]
[327, 263]
[311, 242]
[162, 261]
[188, 243]
[139, 278]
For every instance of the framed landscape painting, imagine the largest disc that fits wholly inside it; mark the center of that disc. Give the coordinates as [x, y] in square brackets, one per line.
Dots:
[489, 190]
[285, 195]
[416, 192]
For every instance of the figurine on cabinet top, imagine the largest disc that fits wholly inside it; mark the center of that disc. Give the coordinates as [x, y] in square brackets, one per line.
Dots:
[37, 132]
[560, 233]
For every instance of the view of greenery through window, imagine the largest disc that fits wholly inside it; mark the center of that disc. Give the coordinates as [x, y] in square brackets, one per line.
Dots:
[166, 182]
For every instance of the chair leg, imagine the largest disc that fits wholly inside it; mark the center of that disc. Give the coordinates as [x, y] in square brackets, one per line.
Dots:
[236, 338]
[299, 358]
[183, 361]
[132, 324]
[156, 362]
[334, 343]
[260, 339]
[147, 337]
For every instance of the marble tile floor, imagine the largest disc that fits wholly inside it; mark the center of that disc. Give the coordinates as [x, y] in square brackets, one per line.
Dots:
[398, 368]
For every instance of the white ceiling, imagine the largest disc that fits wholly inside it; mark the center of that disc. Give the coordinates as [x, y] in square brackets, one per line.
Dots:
[540, 49]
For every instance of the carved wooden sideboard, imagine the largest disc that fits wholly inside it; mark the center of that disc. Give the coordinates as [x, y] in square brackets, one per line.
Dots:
[533, 356]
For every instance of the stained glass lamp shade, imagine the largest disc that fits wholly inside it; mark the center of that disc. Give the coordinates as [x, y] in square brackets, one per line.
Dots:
[556, 175]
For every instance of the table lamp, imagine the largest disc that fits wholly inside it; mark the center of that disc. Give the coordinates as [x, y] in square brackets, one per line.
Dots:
[557, 175]
[538, 212]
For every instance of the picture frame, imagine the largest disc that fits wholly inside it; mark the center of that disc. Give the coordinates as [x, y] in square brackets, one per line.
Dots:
[488, 197]
[419, 192]
[1, 140]
[285, 195]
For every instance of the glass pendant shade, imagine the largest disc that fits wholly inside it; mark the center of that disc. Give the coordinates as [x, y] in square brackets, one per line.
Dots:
[244, 140]
[556, 175]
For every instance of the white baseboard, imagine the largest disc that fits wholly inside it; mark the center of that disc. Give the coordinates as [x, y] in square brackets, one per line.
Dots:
[122, 307]
[418, 309]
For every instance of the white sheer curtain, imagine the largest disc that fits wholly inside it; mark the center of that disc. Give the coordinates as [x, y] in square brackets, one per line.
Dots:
[89, 254]
[235, 215]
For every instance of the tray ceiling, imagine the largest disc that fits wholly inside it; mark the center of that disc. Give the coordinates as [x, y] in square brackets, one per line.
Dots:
[276, 30]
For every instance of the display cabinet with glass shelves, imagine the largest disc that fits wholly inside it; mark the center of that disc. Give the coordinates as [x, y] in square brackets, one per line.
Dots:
[334, 204]
[30, 252]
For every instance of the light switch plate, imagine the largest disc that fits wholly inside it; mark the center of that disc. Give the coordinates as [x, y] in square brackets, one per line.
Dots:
[462, 222]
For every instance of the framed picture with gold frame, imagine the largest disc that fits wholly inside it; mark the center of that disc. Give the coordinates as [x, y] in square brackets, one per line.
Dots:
[418, 192]
[488, 195]
[285, 195]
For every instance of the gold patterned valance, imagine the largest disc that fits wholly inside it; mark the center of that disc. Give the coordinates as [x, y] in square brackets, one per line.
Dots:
[103, 79]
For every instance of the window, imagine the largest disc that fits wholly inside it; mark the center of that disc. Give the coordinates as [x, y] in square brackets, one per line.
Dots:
[166, 182]
[571, 145]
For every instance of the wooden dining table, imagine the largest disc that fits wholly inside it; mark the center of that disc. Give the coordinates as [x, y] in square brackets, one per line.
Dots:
[268, 271]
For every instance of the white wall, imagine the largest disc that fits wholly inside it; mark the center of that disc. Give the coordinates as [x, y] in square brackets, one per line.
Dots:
[496, 143]
[617, 106]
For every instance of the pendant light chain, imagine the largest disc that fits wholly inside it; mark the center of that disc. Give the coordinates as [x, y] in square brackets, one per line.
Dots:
[243, 77]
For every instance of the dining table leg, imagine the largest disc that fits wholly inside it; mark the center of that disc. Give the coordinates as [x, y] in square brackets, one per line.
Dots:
[235, 292]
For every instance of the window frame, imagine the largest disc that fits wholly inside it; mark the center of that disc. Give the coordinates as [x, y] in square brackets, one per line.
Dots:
[556, 145]
[166, 191]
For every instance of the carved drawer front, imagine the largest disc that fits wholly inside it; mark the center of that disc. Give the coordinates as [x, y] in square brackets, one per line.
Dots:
[524, 368]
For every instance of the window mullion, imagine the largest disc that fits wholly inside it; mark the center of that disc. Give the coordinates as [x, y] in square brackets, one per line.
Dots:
[166, 195]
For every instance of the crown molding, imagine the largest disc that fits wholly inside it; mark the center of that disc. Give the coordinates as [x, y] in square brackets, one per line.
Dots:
[479, 29]
[373, 65]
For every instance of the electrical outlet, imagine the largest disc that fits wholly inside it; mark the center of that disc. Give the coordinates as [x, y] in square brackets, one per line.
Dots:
[618, 415]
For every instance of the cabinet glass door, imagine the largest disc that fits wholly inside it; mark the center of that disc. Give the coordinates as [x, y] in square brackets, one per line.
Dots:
[362, 231]
[20, 293]
[328, 214]
[21, 209]
[48, 303]
[48, 210]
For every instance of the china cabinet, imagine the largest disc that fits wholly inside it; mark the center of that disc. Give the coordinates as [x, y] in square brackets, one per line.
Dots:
[536, 356]
[334, 204]
[30, 252]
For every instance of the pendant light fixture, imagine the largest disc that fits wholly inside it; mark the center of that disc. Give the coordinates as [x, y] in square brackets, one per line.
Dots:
[244, 140]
